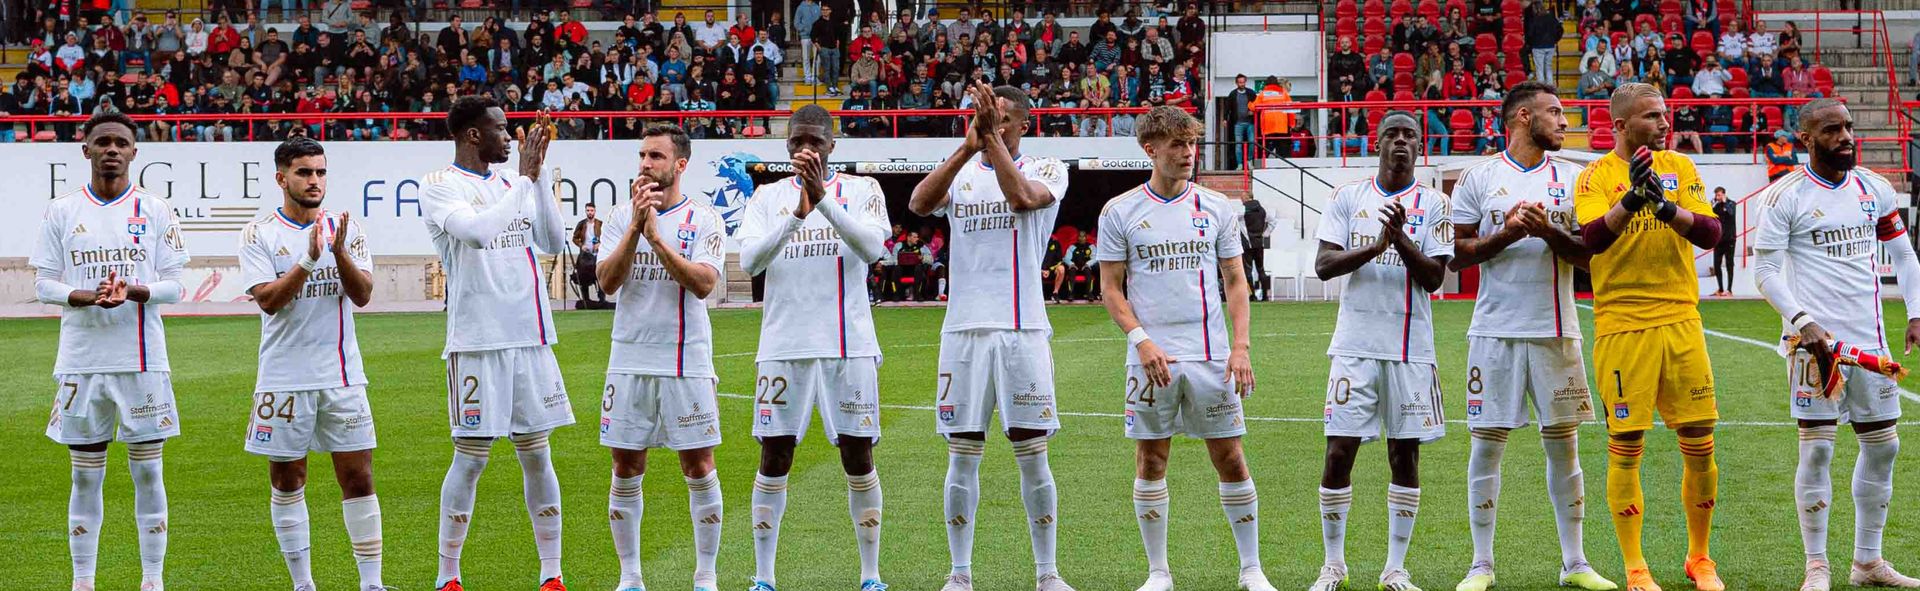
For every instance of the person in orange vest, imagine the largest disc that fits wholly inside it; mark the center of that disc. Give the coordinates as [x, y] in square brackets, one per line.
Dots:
[1780, 156]
[1274, 122]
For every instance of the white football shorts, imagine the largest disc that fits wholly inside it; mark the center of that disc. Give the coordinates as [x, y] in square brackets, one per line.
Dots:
[1199, 402]
[1507, 377]
[847, 392]
[1368, 398]
[639, 412]
[290, 424]
[981, 370]
[1867, 397]
[136, 407]
[505, 392]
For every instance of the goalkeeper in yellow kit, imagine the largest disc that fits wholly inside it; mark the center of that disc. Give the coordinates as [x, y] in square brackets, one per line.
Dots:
[1642, 212]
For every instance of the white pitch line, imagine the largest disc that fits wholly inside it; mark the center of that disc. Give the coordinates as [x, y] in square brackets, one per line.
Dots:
[1904, 393]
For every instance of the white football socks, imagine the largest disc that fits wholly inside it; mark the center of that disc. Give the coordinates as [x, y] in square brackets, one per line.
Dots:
[1334, 505]
[1150, 504]
[1483, 488]
[1242, 506]
[1037, 492]
[85, 507]
[1403, 505]
[542, 490]
[963, 498]
[625, 506]
[769, 507]
[289, 513]
[456, 502]
[1813, 488]
[1873, 491]
[149, 507]
[362, 517]
[865, 507]
[1567, 489]
[705, 508]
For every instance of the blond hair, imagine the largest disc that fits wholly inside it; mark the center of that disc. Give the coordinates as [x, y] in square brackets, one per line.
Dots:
[1626, 95]
[1165, 123]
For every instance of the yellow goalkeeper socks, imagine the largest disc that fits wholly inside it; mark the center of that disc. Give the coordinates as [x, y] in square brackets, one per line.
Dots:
[1699, 485]
[1624, 498]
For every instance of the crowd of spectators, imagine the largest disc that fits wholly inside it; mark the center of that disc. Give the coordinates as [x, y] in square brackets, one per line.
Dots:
[337, 60]
[1687, 48]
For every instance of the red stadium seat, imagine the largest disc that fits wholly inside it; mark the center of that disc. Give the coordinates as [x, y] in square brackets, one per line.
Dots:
[1602, 138]
[754, 131]
[1398, 9]
[1740, 92]
[1739, 116]
[1484, 42]
[1346, 27]
[473, 4]
[1644, 19]
[1482, 59]
[1738, 77]
[1372, 44]
[1821, 75]
[1346, 9]
[1729, 11]
[1403, 96]
[401, 133]
[1373, 119]
[1514, 45]
[1513, 8]
[1374, 27]
[1672, 7]
[1460, 125]
[1703, 41]
[1374, 9]
[1376, 95]
[1430, 9]
[583, 3]
[1602, 117]
[1825, 88]
[359, 5]
[1617, 38]
[1403, 62]
[1404, 79]
[1774, 118]
[1671, 24]
[45, 135]
[1515, 77]
[1682, 92]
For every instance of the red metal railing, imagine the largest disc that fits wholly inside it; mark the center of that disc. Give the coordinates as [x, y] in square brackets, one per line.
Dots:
[256, 122]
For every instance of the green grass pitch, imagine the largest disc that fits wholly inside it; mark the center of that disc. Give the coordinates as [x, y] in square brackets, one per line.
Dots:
[221, 538]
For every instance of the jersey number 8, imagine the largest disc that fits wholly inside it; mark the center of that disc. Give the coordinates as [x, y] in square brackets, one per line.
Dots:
[265, 411]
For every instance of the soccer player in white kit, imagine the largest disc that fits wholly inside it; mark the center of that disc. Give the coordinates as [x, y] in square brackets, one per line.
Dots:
[502, 379]
[1393, 237]
[110, 255]
[1523, 348]
[660, 379]
[1821, 230]
[1176, 246]
[815, 234]
[993, 349]
[304, 270]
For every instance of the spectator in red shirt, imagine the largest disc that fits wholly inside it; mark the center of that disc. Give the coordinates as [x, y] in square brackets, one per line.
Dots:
[223, 38]
[742, 28]
[1459, 84]
[569, 30]
[868, 40]
[116, 39]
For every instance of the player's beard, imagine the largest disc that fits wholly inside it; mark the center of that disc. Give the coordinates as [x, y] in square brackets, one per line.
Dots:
[1836, 160]
[663, 178]
[308, 200]
[1543, 137]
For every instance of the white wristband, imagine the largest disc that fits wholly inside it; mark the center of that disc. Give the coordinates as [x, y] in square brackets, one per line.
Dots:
[1801, 320]
[1137, 336]
[307, 263]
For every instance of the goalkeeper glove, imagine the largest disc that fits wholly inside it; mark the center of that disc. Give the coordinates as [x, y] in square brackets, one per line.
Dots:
[1643, 186]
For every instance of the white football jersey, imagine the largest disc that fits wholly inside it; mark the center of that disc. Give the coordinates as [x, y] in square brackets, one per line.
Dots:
[310, 343]
[812, 264]
[993, 264]
[659, 328]
[83, 238]
[1832, 236]
[1173, 246]
[1525, 291]
[496, 297]
[1383, 315]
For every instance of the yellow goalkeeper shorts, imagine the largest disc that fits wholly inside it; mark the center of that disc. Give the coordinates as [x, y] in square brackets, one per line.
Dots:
[1663, 368]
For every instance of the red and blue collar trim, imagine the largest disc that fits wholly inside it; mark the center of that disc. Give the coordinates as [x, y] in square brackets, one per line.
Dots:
[484, 175]
[282, 214]
[95, 197]
[684, 200]
[1395, 195]
[1823, 182]
[1184, 192]
[1508, 157]
[1018, 162]
[832, 177]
